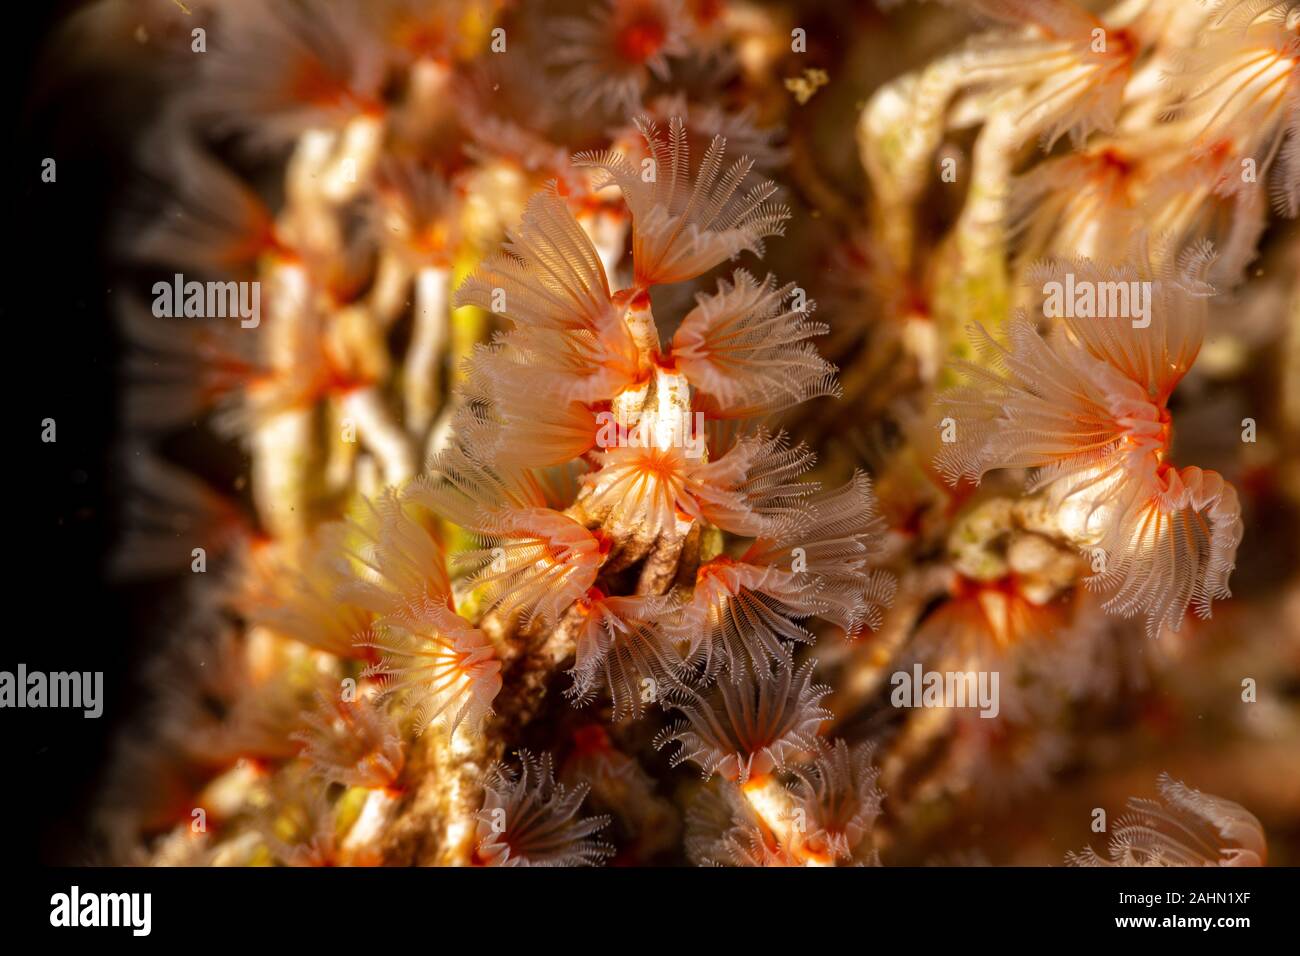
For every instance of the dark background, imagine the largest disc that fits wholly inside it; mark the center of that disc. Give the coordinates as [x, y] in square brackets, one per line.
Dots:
[62, 355]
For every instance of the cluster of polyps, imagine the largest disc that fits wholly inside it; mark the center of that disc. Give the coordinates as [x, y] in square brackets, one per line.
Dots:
[627, 506]
[1084, 407]
[575, 538]
[823, 819]
[1183, 115]
[568, 532]
[585, 449]
[1181, 119]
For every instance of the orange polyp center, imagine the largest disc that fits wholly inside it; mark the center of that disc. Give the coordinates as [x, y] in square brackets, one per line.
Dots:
[337, 378]
[434, 241]
[1113, 163]
[916, 302]
[603, 541]
[964, 588]
[1122, 45]
[641, 39]
[421, 38]
[1166, 440]
[996, 607]
[374, 764]
[588, 602]
[658, 464]
[228, 371]
[312, 84]
[665, 361]
[714, 568]
[1219, 150]
[706, 12]
[997, 604]
[258, 238]
[591, 739]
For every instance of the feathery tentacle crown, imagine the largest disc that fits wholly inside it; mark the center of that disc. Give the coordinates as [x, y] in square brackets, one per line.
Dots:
[686, 222]
[840, 801]
[1084, 406]
[722, 829]
[750, 611]
[822, 814]
[608, 57]
[1185, 828]
[751, 724]
[423, 653]
[528, 819]
[352, 743]
[1069, 70]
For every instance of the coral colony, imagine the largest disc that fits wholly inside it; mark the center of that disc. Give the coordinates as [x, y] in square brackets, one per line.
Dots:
[573, 532]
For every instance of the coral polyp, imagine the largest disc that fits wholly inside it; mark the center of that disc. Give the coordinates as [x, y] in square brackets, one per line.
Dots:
[1185, 828]
[530, 820]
